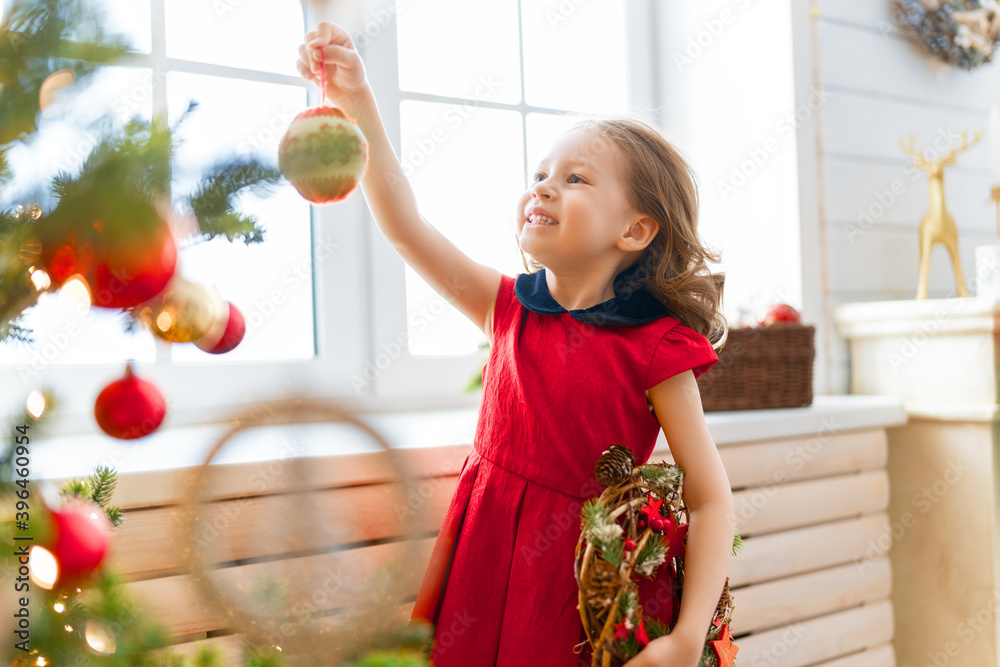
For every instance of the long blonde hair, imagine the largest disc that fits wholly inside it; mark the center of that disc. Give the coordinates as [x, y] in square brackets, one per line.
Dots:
[661, 184]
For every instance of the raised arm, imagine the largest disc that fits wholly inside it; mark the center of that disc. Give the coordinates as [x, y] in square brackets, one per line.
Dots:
[470, 286]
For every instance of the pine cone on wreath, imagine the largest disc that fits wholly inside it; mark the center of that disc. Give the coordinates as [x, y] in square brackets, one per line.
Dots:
[615, 465]
[601, 585]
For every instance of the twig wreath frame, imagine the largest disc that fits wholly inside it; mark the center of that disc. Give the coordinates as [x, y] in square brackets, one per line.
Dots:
[635, 527]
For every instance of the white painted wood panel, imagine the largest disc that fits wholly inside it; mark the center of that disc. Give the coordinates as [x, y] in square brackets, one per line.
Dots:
[824, 638]
[881, 259]
[865, 126]
[777, 603]
[866, 195]
[865, 61]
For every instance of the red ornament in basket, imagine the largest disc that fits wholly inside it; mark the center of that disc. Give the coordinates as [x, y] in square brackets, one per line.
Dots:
[780, 313]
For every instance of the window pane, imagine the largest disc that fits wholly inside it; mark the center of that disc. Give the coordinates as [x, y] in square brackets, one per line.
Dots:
[543, 130]
[575, 55]
[460, 49]
[129, 18]
[271, 282]
[249, 34]
[64, 330]
[466, 166]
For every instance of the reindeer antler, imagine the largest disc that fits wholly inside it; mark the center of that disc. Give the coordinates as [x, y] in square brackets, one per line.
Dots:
[920, 161]
[950, 155]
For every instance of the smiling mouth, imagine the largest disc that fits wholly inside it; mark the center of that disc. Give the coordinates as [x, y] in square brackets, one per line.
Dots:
[541, 221]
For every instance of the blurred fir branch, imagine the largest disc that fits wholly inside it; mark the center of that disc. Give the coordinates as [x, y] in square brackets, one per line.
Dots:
[123, 178]
[41, 37]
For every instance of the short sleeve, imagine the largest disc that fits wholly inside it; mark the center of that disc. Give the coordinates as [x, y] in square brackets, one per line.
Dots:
[679, 349]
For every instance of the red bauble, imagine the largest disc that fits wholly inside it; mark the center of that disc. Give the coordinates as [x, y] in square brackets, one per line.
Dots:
[81, 533]
[323, 154]
[130, 408]
[232, 333]
[123, 266]
[781, 313]
[133, 267]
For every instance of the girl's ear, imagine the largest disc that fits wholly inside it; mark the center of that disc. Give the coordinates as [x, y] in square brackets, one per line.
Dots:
[639, 235]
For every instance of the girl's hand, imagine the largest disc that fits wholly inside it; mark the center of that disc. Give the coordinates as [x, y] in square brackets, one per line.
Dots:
[345, 73]
[671, 650]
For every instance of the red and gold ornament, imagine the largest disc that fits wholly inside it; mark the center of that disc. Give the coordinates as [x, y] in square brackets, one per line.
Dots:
[130, 407]
[183, 312]
[226, 333]
[323, 153]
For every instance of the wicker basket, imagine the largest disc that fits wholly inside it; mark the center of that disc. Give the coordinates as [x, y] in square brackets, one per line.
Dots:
[762, 367]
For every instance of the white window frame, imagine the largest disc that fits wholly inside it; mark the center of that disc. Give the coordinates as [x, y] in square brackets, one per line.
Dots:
[359, 295]
[206, 393]
[439, 379]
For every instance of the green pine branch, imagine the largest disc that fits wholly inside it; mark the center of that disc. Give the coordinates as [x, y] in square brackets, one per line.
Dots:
[212, 202]
[98, 487]
[737, 544]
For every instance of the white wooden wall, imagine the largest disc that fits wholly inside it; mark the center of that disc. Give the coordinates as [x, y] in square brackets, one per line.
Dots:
[882, 86]
[787, 235]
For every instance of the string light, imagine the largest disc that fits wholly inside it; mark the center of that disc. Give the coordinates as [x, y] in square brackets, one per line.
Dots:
[44, 568]
[35, 404]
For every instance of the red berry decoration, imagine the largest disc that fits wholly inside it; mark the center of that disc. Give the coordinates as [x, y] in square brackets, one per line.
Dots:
[781, 313]
[130, 408]
[81, 533]
[232, 326]
[323, 154]
[630, 545]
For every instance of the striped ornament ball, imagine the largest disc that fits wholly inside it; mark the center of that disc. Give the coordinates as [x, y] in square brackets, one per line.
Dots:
[323, 154]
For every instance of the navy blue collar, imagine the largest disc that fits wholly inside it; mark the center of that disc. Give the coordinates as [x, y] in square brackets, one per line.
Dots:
[632, 308]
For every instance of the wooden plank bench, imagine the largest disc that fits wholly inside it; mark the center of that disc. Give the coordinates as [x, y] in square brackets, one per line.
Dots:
[811, 586]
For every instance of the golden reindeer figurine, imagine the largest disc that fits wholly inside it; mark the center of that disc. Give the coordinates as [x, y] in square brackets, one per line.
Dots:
[937, 225]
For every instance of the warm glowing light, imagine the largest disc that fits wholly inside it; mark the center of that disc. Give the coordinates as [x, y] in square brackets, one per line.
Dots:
[41, 660]
[52, 85]
[99, 637]
[44, 568]
[68, 627]
[41, 279]
[59, 607]
[164, 321]
[35, 404]
[76, 290]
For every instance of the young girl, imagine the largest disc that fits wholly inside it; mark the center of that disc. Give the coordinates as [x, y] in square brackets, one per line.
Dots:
[600, 345]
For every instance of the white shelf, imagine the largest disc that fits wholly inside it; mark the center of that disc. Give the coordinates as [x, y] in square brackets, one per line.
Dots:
[69, 456]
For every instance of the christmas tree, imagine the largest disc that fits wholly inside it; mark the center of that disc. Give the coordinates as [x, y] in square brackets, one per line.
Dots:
[111, 224]
[107, 223]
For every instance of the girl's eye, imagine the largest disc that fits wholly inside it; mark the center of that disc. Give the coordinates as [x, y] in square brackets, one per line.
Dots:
[572, 176]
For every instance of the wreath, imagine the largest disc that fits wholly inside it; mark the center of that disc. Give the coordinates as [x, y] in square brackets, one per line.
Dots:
[962, 33]
[635, 527]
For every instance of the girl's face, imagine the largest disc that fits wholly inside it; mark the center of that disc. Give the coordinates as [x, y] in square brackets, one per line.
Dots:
[580, 186]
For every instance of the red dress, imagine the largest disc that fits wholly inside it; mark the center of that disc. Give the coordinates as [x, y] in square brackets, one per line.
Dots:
[557, 391]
